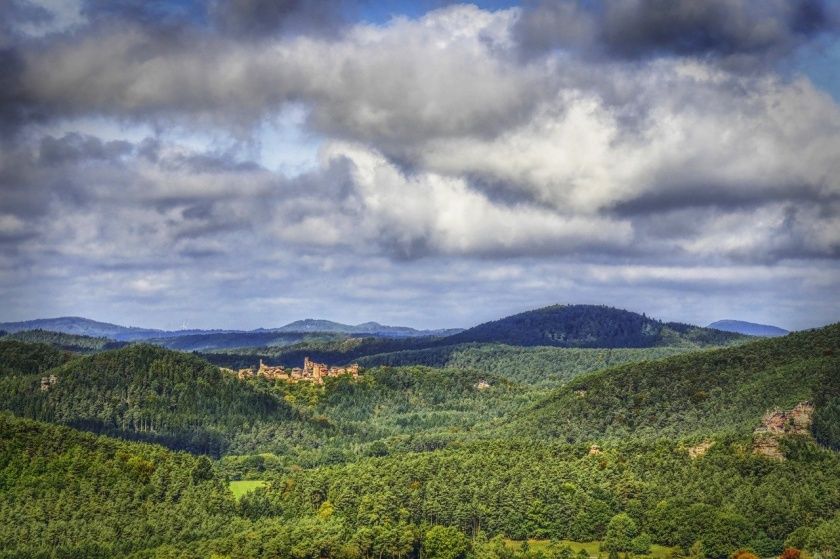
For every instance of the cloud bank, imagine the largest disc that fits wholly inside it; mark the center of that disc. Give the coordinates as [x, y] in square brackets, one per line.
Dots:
[554, 151]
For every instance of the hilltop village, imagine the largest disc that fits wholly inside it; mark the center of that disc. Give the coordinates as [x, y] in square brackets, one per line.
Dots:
[311, 372]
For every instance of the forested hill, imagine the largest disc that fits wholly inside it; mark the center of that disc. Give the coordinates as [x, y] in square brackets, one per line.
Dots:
[702, 392]
[82, 327]
[70, 342]
[64, 493]
[148, 393]
[589, 326]
[559, 326]
[22, 358]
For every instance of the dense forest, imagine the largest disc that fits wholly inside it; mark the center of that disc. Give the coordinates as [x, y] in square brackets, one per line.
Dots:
[230, 340]
[532, 366]
[144, 392]
[69, 342]
[707, 391]
[590, 326]
[475, 449]
[531, 489]
[64, 493]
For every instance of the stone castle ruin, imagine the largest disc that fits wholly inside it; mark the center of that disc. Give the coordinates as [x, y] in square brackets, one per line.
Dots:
[311, 372]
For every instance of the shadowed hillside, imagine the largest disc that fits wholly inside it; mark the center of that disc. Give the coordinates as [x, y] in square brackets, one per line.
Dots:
[589, 326]
[149, 393]
[68, 342]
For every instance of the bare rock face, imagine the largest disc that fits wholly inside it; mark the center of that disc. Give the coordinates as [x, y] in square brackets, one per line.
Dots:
[768, 446]
[779, 423]
[594, 450]
[700, 449]
[796, 421]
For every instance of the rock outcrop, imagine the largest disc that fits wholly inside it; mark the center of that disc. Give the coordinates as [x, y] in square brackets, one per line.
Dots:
[780, 423]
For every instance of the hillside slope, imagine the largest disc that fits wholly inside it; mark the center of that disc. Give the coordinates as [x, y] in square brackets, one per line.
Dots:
[24, 358]
[64, 493]
[725, 389]
[534, 366]
[76, 343]
[589, 326]
[728, 499]
[149, 393]
[81, 326]
[229, 340]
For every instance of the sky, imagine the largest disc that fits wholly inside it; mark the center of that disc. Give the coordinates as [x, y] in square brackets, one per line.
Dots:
[246, 163]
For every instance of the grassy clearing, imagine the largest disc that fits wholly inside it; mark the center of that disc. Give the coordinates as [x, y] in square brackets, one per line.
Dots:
[239, 488]
[592, 548]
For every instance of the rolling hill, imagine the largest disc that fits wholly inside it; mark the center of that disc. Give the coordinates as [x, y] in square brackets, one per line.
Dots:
[149, 393]
[69, 342]
[559, 326]
[201, 340]
[703, 392]
[366, 328]
[23, 358]
[232, 340]
[65, 493]
[748, 328]
[87, 327]
[675, 453]
[589, 326]
[535, 366]
[584, 326]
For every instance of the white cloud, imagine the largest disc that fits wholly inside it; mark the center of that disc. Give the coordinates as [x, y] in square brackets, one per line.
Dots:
[395, 164]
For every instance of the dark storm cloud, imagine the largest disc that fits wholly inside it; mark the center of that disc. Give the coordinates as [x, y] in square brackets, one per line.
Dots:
[152, 13]
[15, 108]
[246, 19]
[722, 27]
[14, 13]
[257, 18]
[643, 28]
[681, 192]
[208, 163]
[78, 147]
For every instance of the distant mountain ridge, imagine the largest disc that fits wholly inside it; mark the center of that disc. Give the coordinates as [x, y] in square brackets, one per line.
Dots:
[581, 326]
[748, 328]
[589, 326]
[318, 325]
[86, 327]
[81, 326]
